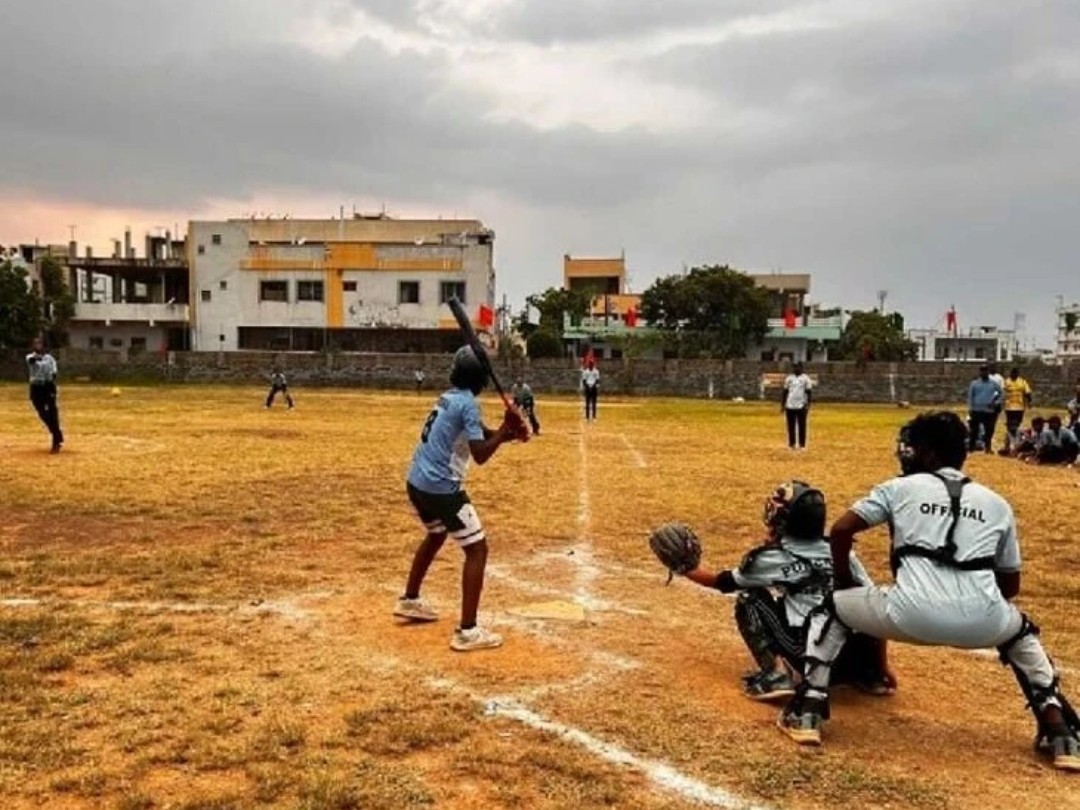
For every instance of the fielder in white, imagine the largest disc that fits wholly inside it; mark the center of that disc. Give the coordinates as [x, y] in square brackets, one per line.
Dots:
[956, 561]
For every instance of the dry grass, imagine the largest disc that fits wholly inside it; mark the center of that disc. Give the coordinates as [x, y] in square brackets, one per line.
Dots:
[211, 625]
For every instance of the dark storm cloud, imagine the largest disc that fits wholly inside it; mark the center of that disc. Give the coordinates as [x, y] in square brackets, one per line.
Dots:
[928, 149]
[230, 121]
[922, 90]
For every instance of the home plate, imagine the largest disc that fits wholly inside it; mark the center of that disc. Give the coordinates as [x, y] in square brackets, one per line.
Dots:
[558, 610]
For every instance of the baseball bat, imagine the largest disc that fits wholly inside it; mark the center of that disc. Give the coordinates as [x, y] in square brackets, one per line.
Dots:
[469, 332]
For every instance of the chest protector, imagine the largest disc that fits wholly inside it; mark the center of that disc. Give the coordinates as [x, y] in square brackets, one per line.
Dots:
[945, 555]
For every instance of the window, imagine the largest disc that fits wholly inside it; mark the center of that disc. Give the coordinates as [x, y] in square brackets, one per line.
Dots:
[202, 249]
[450, 289]
[97, 343]
[116, 342]
[205, 295]
[215, 239]
[273, 291]
[408, 292]
[348, 286]
[309, 291]
[223, 285]
[138, 344]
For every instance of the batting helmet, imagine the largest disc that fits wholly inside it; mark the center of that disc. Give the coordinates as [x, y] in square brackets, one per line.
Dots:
[467, 371]
[795, 509]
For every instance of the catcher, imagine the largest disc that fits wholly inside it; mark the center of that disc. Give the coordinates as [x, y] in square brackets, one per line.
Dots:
[795, 561]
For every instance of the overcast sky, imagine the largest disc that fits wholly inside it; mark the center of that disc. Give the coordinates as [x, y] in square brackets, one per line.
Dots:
[930, 148]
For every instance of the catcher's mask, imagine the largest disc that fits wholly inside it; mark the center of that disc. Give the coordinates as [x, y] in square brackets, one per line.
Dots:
[795, 509]
[467, 371]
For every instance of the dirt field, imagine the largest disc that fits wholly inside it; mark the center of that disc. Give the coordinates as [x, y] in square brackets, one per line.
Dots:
[197, 594]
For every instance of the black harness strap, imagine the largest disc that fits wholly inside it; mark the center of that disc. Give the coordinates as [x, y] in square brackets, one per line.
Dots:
[946, 555]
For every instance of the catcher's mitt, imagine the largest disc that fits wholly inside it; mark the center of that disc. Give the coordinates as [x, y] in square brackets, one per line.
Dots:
[677, 547]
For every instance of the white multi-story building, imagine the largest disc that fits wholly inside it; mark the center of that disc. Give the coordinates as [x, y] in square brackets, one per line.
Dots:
[980, 344]
[1068, 333]
[349, 284]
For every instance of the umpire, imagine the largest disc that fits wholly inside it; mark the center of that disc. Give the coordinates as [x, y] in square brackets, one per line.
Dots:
[41, 370]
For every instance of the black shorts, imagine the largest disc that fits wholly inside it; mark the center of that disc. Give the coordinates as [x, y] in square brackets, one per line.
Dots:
[452, 514]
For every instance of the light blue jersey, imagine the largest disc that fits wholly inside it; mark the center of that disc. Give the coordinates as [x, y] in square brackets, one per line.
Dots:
[442, 457]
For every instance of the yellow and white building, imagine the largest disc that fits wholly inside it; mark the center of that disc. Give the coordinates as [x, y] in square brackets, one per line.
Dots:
[360, 283]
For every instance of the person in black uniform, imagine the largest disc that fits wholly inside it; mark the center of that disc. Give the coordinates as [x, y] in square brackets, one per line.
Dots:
[279, 385]
[41, 371]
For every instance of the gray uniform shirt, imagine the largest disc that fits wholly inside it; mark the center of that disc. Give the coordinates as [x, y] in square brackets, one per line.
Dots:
[41, 368]
[935, 603]
[800, 569]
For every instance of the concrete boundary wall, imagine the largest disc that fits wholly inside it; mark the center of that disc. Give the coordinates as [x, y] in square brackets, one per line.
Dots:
[918, 383]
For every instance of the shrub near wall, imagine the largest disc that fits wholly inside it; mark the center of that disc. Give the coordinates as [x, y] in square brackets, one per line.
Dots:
[918, 383]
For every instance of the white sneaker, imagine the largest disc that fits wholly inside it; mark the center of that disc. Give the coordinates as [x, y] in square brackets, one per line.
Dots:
[415, 610]
[475, 638]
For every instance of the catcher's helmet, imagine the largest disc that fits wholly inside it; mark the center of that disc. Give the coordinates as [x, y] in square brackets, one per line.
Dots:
[795, 509]
[467, 371]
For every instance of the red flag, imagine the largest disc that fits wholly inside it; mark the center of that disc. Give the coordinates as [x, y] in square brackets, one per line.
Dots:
[631, 317]
[487, 317]
[789, 319]
[950, 320]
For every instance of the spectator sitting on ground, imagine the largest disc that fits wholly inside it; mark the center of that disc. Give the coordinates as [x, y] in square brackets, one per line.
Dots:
[1074, 409]
[1057, 444]
[1027, 440]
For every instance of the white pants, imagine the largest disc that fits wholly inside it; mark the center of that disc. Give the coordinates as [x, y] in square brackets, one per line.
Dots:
[864, 610]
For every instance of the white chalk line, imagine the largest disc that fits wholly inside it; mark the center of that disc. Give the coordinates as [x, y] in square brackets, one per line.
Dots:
[585, 571]
[658, 772]
[639, 459]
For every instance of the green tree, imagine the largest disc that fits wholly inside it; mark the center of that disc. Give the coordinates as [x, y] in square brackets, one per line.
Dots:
[873, 336]
[20, 308]
[57, 302]
[635, 345]
[1070, 322]
[554, 303]
[712, 311]
[544, 343]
